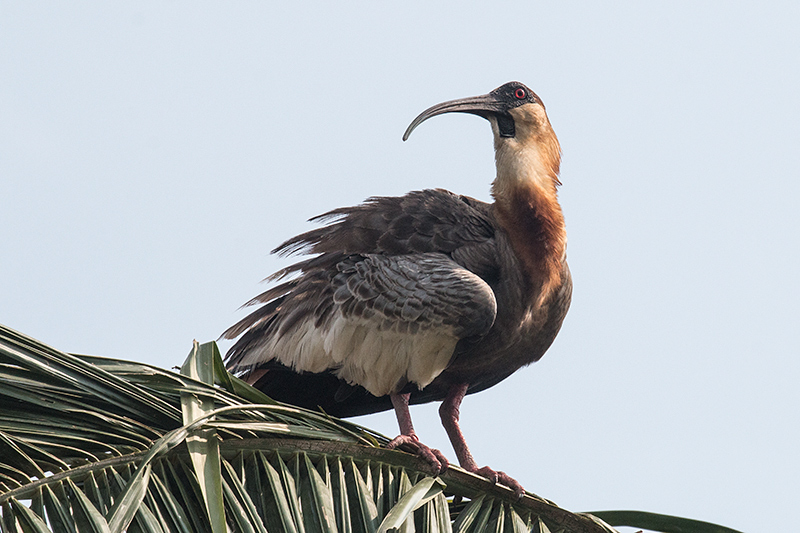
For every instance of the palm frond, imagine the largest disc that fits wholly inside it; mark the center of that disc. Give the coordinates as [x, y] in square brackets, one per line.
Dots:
[91, 444]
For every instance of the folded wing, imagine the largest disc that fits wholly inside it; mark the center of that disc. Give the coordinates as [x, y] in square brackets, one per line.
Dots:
[373, 320]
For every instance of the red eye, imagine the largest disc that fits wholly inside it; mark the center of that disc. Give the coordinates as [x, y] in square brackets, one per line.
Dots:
[520, 94]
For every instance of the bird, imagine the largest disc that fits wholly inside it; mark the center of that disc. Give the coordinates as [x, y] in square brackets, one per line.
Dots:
[424, 297]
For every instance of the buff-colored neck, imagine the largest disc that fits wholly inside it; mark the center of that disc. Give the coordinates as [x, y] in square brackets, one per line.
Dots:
[526, 199]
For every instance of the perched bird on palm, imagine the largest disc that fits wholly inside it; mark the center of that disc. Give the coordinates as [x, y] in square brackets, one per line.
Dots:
[424, 297]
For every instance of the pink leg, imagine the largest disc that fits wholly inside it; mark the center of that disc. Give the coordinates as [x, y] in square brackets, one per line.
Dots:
[409, 438]
[449, 413]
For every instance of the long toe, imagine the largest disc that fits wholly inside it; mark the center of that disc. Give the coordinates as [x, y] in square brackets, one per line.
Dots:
[401, 440]
[502, 478]
[431, 455]
[442, 459]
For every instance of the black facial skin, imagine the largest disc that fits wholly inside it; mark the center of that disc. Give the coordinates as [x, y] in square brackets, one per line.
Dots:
[512, 94]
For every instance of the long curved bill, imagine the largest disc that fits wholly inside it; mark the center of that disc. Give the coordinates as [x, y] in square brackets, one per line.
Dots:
[477, 105]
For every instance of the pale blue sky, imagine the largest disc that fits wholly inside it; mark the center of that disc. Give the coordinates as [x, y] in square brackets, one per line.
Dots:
[152, 153]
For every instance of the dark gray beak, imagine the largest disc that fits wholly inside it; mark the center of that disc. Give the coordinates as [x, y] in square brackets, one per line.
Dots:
[483, 106]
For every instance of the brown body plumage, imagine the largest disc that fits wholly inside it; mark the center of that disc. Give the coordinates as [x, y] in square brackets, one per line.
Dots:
[423, 297]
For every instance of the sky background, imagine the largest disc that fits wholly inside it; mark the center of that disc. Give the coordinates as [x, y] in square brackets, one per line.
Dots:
[153, 153]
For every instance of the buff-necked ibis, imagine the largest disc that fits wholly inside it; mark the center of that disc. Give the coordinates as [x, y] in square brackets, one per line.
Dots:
[423, 297]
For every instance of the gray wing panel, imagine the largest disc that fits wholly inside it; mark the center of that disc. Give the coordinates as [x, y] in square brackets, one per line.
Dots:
[412, 292]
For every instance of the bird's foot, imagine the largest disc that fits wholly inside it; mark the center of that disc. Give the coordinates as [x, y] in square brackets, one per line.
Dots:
[502, 478]
[411, 442]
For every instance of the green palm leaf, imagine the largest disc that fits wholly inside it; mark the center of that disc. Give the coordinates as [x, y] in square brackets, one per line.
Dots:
[90, 444]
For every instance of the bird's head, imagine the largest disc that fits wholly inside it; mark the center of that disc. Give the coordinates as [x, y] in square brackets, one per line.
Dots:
[513, 109]
[526, 145]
